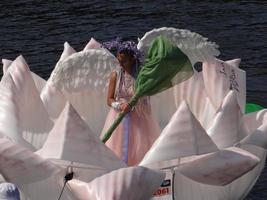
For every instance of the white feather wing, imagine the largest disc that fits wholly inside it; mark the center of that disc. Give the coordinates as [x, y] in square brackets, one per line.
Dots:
[194, 45]
[88, 69]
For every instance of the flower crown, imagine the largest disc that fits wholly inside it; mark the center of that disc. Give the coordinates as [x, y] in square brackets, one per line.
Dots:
[129, 47]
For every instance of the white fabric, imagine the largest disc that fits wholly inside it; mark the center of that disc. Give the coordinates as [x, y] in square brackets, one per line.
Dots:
[194, 93]
[39, 82]
[33, 119]
[255, 119]
[92, 44]
[21, 166]
[91, 106]
[189, 189]
[2, 179]
[183, 136]
[219, 168]
[70, 147]
[49, 188]
[133, 183]
[163, 107]
[85, 69]
[9, 119]
[186, 188]
[88, 101]
[6, 63]
[68, 50]
[207, 171]
[234, 62]
[240, 188]
[195, 46]
[91, 103]
[72, 140]
[258, 137]
[31, 111]
[220, 77]
[53, 99]
[226, 126]
[164, 192]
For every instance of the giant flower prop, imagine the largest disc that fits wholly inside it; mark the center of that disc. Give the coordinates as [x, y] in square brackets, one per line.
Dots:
[208, 149]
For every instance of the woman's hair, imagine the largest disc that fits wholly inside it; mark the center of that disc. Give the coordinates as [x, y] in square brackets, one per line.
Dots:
[126, 47]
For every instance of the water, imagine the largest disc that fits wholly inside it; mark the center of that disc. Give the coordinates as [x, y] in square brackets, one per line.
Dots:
[37, 30]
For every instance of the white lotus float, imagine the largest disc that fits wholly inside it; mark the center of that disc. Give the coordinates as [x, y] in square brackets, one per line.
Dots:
[208, 149]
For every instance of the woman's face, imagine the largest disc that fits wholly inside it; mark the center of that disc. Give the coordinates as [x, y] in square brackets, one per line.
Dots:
[125, 60]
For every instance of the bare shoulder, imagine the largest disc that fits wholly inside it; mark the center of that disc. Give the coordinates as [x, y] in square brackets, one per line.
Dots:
[113, 76]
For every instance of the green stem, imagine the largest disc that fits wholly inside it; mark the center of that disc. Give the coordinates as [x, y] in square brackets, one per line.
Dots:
[115, 124]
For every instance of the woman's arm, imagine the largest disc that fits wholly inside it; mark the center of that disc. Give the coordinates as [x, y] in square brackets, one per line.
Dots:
[111, 88]
[111, 101]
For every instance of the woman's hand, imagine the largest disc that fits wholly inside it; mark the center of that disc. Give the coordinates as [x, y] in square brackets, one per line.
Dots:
[125, 107]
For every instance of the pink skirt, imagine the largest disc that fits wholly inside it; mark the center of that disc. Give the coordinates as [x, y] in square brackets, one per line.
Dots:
[134, 136]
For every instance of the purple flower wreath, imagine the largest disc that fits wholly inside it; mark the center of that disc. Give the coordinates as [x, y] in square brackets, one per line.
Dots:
[129, 47]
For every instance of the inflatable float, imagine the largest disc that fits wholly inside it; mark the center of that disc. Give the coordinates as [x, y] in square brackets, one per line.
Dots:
[212, 146]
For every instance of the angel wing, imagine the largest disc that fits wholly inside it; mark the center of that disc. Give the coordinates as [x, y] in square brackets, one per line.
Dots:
[88, 69]
[84, 76]
[194, 45]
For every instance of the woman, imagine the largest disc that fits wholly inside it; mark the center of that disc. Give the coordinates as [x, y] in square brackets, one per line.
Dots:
[138, 130]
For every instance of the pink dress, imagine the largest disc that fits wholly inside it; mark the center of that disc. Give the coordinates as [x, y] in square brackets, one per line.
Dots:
[136, 133]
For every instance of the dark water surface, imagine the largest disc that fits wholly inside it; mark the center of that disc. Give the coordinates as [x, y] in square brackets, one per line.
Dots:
[38, 29]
